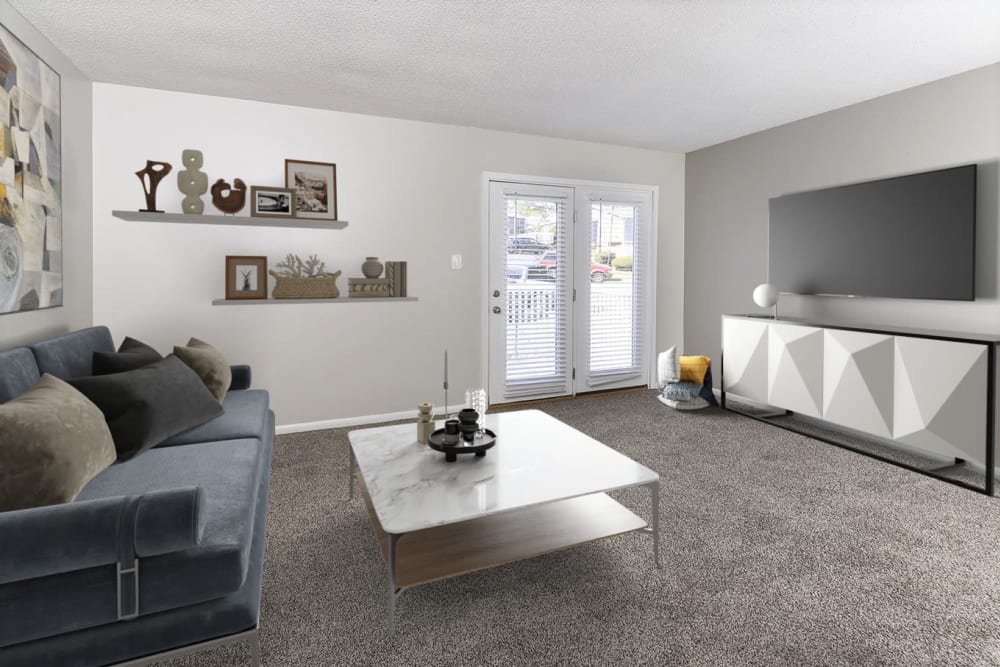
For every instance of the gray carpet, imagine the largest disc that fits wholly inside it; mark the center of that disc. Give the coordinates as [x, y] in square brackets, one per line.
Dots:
[777, 549]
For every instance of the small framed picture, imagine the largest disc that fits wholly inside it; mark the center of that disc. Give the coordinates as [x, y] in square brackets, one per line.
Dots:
[246, 277]
[315, 188]
[268, 202]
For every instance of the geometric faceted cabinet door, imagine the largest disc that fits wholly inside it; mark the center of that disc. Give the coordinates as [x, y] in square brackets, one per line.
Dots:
[744, 343]
[795, 368]
[857, 380]
[940, 397]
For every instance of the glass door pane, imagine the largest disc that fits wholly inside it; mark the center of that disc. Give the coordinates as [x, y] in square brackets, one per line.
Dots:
[613, 304]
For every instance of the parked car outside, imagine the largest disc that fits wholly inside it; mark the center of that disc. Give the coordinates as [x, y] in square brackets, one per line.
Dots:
[526, 245]
[546, 267]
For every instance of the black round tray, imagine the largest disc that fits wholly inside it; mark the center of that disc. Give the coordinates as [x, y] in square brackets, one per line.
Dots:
[451, 452]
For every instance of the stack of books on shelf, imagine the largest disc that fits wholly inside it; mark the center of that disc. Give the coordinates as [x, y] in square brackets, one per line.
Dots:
[394, 283]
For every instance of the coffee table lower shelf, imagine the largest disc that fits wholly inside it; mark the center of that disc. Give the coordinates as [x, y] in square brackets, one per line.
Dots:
[459, 548]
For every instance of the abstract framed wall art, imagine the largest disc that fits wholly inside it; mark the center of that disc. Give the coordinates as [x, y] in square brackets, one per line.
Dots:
[315, 186]
[31, 243]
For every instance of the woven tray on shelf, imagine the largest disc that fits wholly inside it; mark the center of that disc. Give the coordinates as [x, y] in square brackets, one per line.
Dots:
[305, 288]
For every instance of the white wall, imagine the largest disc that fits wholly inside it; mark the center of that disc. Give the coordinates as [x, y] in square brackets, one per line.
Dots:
[21, 327]
[410, 191]
[945, 123]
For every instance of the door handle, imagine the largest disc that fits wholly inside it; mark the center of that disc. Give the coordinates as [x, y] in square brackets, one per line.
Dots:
[496, 310]
[496, 292]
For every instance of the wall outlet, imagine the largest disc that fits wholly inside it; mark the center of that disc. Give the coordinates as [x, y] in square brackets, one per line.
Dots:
[456, 261]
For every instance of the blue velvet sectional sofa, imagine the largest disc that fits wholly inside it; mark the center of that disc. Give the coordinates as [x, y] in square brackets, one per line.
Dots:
[159, 555]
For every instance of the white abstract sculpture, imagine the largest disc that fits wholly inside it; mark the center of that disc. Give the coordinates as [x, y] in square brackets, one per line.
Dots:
[765, 295]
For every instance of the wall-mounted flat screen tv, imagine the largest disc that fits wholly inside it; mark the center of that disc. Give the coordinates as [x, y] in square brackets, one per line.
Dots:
[910, 237]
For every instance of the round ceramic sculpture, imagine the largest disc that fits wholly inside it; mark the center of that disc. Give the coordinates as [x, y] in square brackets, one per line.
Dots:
[229, 198]
[765, 295]
[372, 268]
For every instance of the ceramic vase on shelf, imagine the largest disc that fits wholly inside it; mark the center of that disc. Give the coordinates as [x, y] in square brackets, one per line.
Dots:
[372, 268]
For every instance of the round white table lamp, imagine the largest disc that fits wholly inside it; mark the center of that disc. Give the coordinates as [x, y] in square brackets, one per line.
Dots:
[765, 295]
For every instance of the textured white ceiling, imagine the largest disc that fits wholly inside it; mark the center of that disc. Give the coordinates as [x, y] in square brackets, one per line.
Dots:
[675, 75]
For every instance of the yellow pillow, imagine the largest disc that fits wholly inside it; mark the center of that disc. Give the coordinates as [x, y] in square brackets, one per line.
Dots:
[693, 368]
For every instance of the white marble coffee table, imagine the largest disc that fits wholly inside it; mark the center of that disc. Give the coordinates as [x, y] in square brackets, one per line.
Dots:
[540, 489]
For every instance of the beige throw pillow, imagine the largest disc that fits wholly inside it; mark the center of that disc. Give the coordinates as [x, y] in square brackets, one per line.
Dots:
[210, 365]
[52, 442]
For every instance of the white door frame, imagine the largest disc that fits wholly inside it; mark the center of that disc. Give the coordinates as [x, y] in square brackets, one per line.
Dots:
[572, 183]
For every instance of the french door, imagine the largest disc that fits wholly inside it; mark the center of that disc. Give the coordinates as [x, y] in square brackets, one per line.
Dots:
[531, 291]
[614, 306]
[569, 308]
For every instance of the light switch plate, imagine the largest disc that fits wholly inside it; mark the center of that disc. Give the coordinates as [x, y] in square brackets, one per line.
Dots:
[456, 261]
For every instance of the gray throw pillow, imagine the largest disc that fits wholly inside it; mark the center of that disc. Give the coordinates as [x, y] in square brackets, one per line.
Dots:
[52, 442]
[145, 406]
[131, 355]
[210, 365]
[685, 390]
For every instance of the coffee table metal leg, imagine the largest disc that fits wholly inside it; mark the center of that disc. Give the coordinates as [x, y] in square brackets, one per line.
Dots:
[350, 477]
[390, 563]
[654, 489]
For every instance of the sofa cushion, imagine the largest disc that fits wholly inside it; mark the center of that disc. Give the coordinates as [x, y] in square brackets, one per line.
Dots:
[131, 354]
[18, 372]
[72, 355]
[146, 406]
[244, 416]
[52, 442]
[210, 365]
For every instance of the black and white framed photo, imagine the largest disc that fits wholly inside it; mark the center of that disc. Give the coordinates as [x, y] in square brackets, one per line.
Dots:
[246, 277]
[315, 187]
[267, 202]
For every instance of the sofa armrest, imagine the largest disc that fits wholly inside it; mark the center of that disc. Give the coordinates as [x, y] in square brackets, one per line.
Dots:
[241, 377]
[43, 541]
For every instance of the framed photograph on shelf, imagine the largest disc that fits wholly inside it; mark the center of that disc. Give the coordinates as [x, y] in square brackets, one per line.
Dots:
[246, 277]
[315, 188]
[266, 202]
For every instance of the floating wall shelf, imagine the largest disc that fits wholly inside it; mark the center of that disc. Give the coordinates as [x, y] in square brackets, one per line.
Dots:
[232, 220]
[340, 299]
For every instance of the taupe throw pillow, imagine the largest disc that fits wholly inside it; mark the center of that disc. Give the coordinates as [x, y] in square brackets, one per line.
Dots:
[52, 442]
[210, 365]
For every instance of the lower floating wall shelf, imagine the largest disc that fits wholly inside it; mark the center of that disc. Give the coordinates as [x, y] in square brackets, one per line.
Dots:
[339, 299]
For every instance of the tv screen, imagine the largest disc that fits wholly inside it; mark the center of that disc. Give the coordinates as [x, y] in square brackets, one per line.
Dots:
[911, 237]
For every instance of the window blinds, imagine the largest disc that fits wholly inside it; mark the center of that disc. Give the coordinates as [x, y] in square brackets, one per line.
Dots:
[616, 307]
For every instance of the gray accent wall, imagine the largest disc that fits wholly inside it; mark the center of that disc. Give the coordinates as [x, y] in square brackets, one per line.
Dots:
[77, 182]
[945, 123]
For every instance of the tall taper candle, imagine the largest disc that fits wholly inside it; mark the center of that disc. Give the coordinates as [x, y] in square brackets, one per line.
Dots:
[445, 383]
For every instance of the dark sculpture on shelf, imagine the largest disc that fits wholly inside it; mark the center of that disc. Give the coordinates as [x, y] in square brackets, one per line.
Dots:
[229, 199]
[150, 177]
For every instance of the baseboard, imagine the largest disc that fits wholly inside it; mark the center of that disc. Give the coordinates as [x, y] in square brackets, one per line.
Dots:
[345, 421]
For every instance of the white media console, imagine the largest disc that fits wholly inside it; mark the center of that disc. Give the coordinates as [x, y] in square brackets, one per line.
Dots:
[931, 390]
